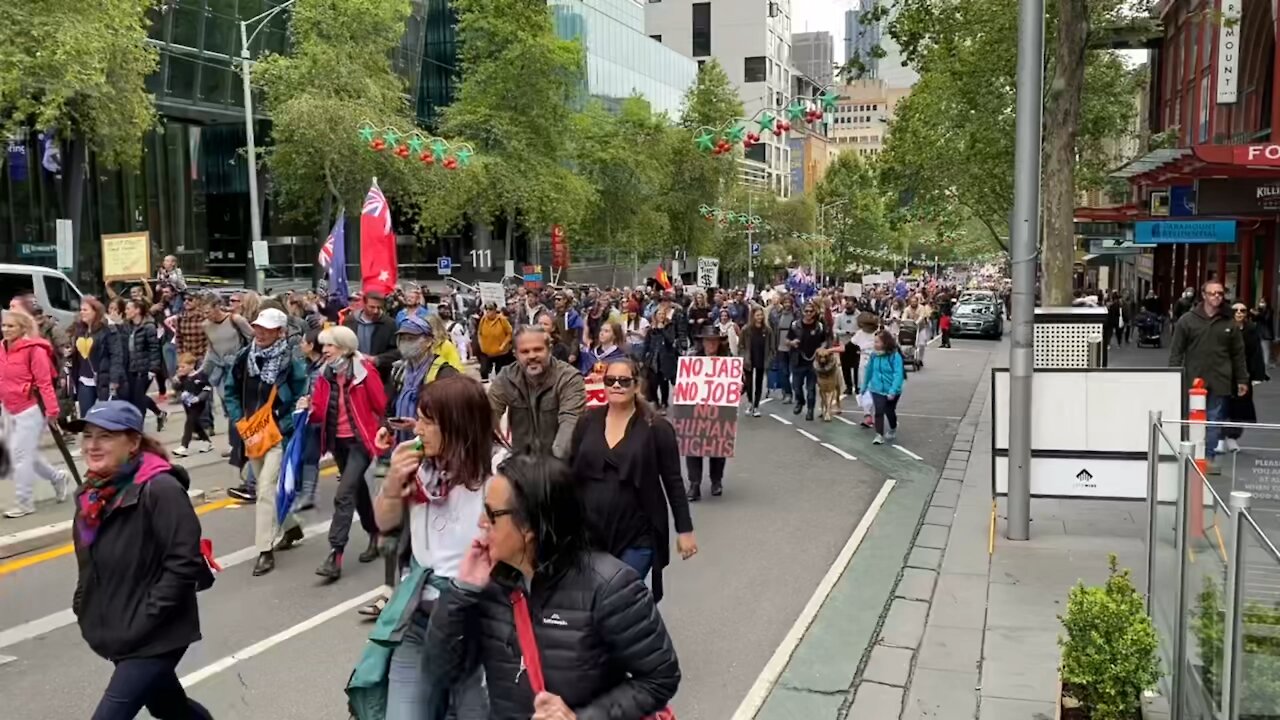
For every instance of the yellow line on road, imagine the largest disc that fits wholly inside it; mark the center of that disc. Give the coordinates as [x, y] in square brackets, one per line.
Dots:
[25, 562]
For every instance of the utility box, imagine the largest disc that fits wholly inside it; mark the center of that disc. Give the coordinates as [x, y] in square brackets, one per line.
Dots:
[1069, 337]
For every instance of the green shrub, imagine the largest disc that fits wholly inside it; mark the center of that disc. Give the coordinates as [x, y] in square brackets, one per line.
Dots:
[1260, 666]
[1109, 650]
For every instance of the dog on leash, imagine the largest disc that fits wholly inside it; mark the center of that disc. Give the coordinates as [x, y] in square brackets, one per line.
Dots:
[827, 368]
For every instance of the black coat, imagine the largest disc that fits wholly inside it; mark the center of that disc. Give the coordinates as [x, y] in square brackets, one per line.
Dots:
[145, 355]
[651, 461]
[136, 589]
[383, 350]
[605, 650]
[661, 350]
[106, 358]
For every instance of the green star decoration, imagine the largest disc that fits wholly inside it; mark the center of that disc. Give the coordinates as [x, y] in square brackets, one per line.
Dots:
[366, 133]
[705, 139]
[392, 136]
[744, 219]
[737, 134]
[766, 122]
[438, 148]
[829, 99]
[795, 111]
[463, 155]
[416, 143]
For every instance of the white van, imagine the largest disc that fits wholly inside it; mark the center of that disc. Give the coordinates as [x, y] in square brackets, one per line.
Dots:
[57, 295]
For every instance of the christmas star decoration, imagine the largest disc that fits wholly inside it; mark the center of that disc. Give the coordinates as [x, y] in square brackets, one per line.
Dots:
[384, 276]
[366, 132]
[795, 111]
[705, 139]
[391, 135]
[438, 148]
[463, 155]
[737, 134]
[416, 143]
[829, 99]
[766, 122]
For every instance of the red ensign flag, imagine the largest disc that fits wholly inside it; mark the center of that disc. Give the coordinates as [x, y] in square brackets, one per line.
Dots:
[377, 243]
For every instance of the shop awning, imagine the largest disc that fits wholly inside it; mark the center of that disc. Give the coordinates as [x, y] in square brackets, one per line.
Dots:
[1168, 166]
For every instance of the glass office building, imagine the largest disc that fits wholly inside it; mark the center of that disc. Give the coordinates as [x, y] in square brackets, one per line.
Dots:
[621, 60]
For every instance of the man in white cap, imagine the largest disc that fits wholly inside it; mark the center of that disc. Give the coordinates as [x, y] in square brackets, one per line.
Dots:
[267, 364]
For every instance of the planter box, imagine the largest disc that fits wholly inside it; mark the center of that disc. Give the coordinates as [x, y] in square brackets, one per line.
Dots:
[1071, 714]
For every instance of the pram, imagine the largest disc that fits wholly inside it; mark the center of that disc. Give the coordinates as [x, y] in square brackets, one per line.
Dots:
[1150, 327]
[907, 333]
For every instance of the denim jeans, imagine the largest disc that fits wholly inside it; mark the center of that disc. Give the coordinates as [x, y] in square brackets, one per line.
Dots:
[640, 559]
[151, 683]
[804, 382]
[86, 397]
[412, 694]
[1216, 411]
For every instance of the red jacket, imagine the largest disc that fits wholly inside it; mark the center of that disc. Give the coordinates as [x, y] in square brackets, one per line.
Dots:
[26, 366]
[368, 404]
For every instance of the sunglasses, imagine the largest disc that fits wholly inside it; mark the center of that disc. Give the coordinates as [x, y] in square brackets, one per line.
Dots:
[619, 380]
[493, 515]
[1215, 293]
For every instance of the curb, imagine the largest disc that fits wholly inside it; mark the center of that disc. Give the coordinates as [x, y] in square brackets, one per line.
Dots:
[38, 538]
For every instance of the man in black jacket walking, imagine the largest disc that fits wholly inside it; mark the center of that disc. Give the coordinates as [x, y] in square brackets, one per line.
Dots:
[375, 333]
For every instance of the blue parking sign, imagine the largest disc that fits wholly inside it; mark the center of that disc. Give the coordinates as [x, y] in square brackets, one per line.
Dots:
[755, 249]
[444, 265]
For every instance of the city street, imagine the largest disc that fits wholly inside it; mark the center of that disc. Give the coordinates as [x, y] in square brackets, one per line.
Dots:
[283, 645]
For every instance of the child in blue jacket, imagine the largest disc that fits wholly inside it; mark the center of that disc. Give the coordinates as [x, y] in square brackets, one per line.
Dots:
[885, 376]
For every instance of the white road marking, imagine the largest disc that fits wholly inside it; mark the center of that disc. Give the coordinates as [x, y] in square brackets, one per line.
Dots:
[263, 645]
[907, 452]
[838, 451]
[846, 420]
[780, 419]
[759, 691]
[808, 434]
[933, 417]
[5, 659]
[63, 618]
[767, 400]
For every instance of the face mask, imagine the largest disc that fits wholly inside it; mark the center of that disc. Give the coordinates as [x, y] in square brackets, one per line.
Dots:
[412, 347]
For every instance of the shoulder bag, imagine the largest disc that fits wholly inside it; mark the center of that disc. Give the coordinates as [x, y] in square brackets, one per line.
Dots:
[533, 660]
[260, 431]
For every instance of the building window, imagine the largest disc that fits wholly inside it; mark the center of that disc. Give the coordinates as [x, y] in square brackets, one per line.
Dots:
[656, 37]
[754, 69]
[701, 29]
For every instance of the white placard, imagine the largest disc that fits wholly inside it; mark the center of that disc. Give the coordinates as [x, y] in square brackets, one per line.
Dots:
[708, 272]
[873, 279]
[260, 261]
[492, 292]
[65, 254]
[1228, 75]
[853, 290]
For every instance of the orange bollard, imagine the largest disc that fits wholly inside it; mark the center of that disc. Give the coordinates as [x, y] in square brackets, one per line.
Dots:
[1197, 414]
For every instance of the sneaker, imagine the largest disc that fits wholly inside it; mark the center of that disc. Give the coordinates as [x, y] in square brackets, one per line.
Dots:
[717, 488]
[891, 435]
[181, 451]
[867, 421]
[243, 494]
[206, 447]
[1232, 445]
[226, 453]
[18, 512]
[161, 419]
[797, 410]
[878, 441]
[1221, 447]
[62, 486]
[755, 412]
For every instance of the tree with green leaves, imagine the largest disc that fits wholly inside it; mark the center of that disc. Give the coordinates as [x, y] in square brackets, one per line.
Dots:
[950, 146]
[698, 178]
[78, 70]
[857, 215]
[519, 85]
[337, 74]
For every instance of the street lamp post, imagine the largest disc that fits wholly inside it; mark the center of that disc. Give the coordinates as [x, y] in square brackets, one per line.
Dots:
[822, 211]
[246, 68]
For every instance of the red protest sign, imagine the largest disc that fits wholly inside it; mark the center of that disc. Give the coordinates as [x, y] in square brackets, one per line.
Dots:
[704, 405]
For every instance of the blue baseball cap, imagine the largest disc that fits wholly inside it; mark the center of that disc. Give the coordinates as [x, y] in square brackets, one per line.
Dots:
[112, 415]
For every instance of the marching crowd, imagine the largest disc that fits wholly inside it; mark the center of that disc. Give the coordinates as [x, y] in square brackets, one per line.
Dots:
[565, 512]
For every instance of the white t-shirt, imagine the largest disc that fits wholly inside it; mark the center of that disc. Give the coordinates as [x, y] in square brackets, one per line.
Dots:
[441, 533]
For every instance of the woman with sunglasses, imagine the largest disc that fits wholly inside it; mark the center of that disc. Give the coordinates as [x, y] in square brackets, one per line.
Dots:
[627, 466]
[433, 493]
[604, 650]
[1240, 408]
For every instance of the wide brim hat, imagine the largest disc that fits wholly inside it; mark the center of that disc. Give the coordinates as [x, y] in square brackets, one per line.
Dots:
[709, 331]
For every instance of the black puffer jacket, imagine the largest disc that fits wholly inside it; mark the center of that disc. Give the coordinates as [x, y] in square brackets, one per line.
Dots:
[605, 650]
[141, 346]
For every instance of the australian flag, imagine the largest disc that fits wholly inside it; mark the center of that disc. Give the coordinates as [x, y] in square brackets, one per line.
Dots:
[333, 258]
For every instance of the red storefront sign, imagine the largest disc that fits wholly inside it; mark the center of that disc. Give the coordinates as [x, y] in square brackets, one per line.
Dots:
[1258, 154]
[559, 248]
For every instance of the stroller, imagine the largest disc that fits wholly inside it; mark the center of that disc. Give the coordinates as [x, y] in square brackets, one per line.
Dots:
[1150, 327]
[907, 332]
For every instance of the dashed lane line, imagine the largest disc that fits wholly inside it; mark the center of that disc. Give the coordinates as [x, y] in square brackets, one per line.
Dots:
[808, 434]
[838, 451]
[780, 419]
[846, 420]
[62, 618]
[907, 452]
[263, 645]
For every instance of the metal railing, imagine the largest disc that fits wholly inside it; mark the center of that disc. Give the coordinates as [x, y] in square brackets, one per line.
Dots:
[1213, 575]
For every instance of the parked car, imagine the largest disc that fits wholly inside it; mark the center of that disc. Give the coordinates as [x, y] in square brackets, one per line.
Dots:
[977, 317]
[59, 297]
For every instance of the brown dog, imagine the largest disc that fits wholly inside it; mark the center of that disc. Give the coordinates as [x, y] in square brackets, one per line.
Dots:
[827, 368]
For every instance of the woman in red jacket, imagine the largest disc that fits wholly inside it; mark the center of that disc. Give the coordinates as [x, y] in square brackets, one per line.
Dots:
[348, 402]
[26, 364]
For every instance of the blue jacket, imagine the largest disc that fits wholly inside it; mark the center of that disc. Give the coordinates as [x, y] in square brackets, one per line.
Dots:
[885, 373]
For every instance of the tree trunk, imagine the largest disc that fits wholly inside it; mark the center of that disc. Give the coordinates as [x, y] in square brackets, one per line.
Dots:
[1061, 127]
[73, 178]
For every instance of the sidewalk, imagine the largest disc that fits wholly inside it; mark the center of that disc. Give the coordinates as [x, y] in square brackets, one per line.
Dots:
[965, 634]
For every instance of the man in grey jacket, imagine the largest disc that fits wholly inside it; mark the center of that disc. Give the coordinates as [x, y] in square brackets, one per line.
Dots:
[544, 396]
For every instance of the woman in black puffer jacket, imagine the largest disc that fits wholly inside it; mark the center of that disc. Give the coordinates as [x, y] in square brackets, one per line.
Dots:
[141, 344]
[605, 651]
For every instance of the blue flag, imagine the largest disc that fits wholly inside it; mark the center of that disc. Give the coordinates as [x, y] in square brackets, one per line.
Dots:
[333, 256]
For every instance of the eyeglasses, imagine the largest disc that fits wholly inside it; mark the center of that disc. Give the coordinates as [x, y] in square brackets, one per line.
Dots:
[619, 380]
[1215, 293]
[493, 515]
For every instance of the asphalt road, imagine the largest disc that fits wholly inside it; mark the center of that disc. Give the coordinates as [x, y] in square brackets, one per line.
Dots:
[282, 646]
